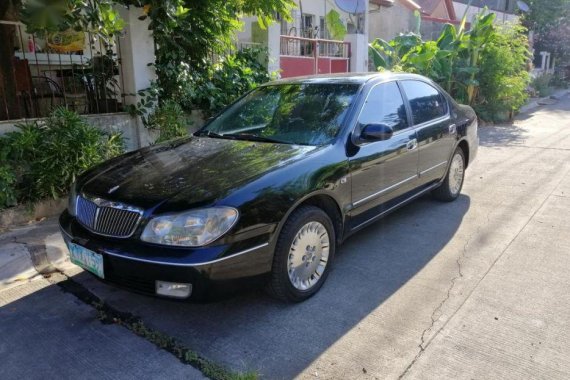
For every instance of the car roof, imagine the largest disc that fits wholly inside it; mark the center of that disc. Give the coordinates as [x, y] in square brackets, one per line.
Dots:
[356, 78]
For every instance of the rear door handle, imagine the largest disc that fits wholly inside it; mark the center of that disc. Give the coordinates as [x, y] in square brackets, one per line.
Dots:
[452, 129]
[412, 144]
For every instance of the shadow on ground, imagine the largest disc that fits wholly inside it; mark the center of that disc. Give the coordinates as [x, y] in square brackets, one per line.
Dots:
[498, 136]
[254, 332]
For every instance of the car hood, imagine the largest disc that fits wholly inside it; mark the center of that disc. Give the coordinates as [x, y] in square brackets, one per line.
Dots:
[187, 173]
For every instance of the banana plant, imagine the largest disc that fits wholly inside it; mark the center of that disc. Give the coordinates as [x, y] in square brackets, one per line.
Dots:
[480, 33]
[391, 55]
[452, 60]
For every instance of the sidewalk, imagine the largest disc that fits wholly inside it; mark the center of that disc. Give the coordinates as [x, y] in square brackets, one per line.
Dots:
[28, 252]
[537, 102]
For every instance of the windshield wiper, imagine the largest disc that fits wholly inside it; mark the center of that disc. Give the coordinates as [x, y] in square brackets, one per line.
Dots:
[244, 136]
[252, 137]
[215, 135]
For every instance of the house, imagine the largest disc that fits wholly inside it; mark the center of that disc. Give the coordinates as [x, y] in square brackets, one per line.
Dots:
[435, 14]
[391, 18]
[388, 19]
[438, 9]
[504, 9]
[69, 69]
[304, 45]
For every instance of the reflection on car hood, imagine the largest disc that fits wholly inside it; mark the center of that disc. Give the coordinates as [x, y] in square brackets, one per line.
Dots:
[187, 172]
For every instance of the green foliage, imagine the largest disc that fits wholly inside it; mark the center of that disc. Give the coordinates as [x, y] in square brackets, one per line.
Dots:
[543, 84]
[550, 21]
[545, 14]
[7, 183]
[188, 33]
[169, 120]
[214, 87]
[475, 66]
[7, 177]
[503, 77]
[335, 26]
[45, 157]
[98, 17]
[452, 60]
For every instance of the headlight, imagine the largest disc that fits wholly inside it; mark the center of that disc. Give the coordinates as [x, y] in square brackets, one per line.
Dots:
[192, 228]
[72, 202]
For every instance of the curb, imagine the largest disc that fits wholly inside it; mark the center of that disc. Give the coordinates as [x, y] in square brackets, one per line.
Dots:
[536, 103]
[15, 265]
[25, 213]
[27, 253]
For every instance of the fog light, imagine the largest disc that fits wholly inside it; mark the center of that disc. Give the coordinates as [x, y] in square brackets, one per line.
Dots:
[173, 289]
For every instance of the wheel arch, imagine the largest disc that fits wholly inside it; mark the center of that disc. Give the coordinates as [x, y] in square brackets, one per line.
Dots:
[326, 202]
[464, 145]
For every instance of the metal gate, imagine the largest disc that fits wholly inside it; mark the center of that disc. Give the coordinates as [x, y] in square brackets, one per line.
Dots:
[306, 56]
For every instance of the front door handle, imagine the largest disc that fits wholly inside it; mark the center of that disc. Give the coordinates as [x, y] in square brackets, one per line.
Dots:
[412, 144]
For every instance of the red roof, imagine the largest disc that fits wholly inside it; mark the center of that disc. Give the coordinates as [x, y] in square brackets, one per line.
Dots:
[429, 6]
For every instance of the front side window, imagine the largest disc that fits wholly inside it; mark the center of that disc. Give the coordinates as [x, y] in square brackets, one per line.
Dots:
[305, 114]
[384, 105]
[426, 102]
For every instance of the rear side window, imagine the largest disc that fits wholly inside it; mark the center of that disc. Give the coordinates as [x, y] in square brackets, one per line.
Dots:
[426, 102]
[384, 105]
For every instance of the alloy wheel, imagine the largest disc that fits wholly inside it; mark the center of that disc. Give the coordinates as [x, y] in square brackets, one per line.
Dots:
[308, 256]
[456, 173]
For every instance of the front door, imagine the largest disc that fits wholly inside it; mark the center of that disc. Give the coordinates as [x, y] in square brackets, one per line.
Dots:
[435, 131]
[382, 170]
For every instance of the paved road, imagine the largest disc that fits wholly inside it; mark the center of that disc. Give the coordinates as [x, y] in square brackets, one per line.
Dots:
[478, 288]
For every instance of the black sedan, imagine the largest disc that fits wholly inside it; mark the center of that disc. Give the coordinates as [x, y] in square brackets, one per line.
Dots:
[269, 188]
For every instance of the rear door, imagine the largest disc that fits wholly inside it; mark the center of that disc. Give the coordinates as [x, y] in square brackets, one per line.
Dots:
[383, 170]
[435, 131]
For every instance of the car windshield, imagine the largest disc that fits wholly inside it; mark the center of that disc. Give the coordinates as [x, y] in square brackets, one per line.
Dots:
[304, 114]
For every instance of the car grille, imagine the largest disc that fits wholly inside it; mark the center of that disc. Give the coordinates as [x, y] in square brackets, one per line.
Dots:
[107, 218]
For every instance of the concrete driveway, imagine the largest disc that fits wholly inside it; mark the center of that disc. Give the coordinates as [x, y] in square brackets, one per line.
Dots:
[477, 288]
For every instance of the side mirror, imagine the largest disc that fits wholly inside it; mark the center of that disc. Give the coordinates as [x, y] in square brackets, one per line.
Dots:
[376, 132]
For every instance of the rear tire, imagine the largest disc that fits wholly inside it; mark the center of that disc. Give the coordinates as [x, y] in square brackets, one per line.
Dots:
[303, 255]
[452, 184]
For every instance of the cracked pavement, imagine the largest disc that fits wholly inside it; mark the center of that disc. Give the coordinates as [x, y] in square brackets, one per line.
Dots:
[477, 288]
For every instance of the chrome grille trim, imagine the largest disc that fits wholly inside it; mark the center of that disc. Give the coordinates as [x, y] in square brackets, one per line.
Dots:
[107, 218]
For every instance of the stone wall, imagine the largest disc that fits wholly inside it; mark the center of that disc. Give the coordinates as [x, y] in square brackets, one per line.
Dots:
[135, 136]
[134, 133]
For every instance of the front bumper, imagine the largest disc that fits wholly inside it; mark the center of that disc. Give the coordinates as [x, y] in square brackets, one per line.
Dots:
[135, 265]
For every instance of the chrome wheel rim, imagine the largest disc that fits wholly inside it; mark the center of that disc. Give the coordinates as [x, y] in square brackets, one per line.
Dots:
[456, 171]
[308, 256]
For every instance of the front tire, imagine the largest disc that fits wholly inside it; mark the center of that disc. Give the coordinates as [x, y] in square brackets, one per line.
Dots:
[452, 184]
[303, 255]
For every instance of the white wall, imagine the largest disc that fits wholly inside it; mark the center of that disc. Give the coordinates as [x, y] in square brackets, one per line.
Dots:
[137, 51]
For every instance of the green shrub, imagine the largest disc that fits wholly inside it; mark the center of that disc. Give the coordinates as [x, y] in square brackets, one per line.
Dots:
[208, 87]
[484, 66]
[543, 84]
[503, 76]
[7, 177]
[45, 157]
[212, 88]
[169, 120]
